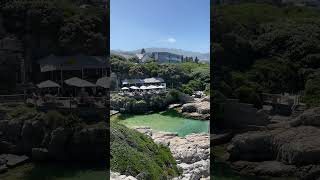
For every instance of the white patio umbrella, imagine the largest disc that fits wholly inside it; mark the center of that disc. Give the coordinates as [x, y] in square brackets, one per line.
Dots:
[77, 82]
[48, 84]
[124, 88]
[152, 87]
[103, 82]
[134, 87]
[143, 87]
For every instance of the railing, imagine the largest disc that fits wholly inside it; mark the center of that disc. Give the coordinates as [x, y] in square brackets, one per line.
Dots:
[12, 98]
[292, 100]
[70, 102]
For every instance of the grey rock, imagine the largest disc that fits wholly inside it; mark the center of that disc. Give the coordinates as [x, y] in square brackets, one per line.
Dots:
[252, 146]
[297, 146]
[58, 143]
[265, 168]
[218, 139]
[89, 143]
[3, 169]
[4, 125]
[310, 117]
[32, 135]
[189, 107]
[40, 154]
[310, 172]
[13, 133]
[14, 160]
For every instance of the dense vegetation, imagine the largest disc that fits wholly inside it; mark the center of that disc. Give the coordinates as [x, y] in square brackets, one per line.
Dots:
[187, 76]
[146, 103]
[266, 48]
[44, 27]
[133, 153]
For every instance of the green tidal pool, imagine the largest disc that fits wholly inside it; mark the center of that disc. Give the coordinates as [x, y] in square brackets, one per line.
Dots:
[167, 122]
[32, 171]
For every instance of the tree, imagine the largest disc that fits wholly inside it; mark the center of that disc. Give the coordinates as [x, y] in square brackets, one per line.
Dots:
[196, 60]
[143, 51]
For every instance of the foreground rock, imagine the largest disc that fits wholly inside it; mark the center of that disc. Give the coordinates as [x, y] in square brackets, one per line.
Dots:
[118, 176]
[192, 153]
[289, 148]
[51, 136]
[309, 117]
[10, 160]
[265, 168]
[221, 138]
[298, 146]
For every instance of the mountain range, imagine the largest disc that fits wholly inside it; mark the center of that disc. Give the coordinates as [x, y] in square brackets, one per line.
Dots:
[129, 54]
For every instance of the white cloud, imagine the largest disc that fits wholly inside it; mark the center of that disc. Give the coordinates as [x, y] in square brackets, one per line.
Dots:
[171, 40]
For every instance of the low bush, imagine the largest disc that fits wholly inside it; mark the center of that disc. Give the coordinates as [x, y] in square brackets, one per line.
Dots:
[133, 153]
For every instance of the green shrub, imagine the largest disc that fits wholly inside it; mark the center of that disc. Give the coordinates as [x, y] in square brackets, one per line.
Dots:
[312, 92]
[133, 153]
[248, 95]
[186, 89]
[23, 112]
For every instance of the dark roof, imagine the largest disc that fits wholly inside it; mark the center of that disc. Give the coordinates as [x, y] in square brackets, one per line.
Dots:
[77, 60]
[132, 81]
[153, 80]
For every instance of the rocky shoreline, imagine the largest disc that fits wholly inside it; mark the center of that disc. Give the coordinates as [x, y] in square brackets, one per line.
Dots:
[49, 137]
[192, 152]
[286, 147]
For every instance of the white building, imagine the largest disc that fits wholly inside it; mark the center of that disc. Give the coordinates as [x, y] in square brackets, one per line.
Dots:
[147, 82]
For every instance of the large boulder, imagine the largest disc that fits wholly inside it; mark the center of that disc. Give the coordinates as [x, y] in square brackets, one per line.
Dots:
[251, 146]
[14, 160]
[310, 117]
[89, 143]
[40, 154]
[310, 172]
[189, 107]
[3, 126]
[192, 153]
[13, 133]
[221, 138]
[7, 147]
[32, 134]
[203, 107]
[297, 146]
[58, 142]
[265, 168]
[199, 107]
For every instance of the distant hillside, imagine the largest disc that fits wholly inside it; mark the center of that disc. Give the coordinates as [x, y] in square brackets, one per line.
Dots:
[125, 54]
[128, 54]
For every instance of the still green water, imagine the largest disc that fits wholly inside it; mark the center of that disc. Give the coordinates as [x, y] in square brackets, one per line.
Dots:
[168, 122]
[33, 171]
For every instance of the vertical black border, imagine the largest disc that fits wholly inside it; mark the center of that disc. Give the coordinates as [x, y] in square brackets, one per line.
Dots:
[107, 32]
[212, 60]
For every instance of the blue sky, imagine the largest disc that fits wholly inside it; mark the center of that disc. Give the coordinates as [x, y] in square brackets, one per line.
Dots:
[181, 24]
